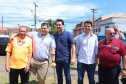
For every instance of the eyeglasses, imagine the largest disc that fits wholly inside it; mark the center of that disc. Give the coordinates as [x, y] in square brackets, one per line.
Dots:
[111, 33]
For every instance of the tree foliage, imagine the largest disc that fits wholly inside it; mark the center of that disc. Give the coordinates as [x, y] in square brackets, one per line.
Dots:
[52, 27]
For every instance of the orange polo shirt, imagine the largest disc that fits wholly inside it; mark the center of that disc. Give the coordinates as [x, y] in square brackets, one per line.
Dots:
[20, 49]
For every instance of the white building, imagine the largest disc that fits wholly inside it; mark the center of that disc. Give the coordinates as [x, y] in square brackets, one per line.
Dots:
[110, 20]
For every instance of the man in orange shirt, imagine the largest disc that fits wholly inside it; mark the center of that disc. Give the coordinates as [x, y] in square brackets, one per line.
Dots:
[20, 50]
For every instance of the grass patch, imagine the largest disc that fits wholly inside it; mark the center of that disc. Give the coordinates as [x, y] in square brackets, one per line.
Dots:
[4, 79]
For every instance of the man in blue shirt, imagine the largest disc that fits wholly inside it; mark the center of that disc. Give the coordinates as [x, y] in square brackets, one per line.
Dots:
[86, 52]
[64, 43]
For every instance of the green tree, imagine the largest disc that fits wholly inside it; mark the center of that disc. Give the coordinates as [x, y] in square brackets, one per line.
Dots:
[52, 26]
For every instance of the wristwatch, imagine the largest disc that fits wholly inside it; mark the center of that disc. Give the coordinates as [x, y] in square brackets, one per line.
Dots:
[53, 53]
[53, 61]
[124, 69]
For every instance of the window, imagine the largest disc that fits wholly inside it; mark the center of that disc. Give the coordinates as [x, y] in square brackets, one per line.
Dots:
[79, 31]
[99, 29]
[75, 33]
[106, 27]
[96, 30]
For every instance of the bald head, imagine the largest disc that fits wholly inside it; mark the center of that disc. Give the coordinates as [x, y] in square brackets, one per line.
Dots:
[110, 34]
[109, 29]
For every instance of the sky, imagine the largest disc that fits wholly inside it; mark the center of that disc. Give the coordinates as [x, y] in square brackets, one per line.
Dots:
[16, 12]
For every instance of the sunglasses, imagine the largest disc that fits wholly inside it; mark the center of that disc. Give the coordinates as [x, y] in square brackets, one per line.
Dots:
[111, 33]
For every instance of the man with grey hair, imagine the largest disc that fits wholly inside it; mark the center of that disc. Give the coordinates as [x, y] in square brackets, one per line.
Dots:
[110, 50]
[20, 51]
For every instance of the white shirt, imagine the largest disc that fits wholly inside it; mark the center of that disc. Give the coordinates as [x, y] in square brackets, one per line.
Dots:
[87, 48]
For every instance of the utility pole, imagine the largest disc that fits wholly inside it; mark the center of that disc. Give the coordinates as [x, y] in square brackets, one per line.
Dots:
[2, 24]
[35, 14]
[93, 10]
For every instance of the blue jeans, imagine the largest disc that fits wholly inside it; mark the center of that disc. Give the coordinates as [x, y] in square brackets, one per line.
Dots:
[108, 75]
[81, 68]
[66, 66]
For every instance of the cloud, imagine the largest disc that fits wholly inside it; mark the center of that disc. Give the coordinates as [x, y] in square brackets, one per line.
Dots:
[47, 9]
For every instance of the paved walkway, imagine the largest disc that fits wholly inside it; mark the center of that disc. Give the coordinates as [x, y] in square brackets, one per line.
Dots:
[51, 71]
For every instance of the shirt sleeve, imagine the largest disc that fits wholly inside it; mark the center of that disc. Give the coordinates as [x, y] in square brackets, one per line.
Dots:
[30, 46]
[53, 45]
[31, 34]
[9, 47]
[77, 45]
[122, 48]
[96, 46]
[71, 39]
[123, 37]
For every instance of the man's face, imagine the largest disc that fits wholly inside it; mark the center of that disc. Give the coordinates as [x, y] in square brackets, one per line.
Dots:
[87, 27]
[115, 28]
[22, 32]
[59, 26]
[44, 30]
[110, 34]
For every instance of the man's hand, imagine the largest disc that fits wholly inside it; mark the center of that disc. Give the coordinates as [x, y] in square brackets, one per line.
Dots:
[72, 62]
[53, 65]
[12, 37]
[27, 68]
[7, 67]
[96, 62]
[123, 72]
[116, 28]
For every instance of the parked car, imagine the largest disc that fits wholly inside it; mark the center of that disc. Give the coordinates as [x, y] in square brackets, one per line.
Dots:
[4, 39]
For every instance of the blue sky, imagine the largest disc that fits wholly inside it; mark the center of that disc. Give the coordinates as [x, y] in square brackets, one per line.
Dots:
[16, 12]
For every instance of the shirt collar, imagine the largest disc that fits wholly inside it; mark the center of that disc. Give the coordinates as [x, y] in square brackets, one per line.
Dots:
[86, 35]
[110, 41]
[45, 36]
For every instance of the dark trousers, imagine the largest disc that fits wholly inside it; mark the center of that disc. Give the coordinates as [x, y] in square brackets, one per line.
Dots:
[14, 73]
[108, 75]
[81, 68]
[60, 65]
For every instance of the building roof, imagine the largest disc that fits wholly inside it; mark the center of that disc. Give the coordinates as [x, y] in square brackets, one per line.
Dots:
[18, 27]
[83, 22]
[117, 14]
[4, 28]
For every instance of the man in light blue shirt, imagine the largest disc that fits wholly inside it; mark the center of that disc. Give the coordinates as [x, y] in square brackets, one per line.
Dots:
[43, 46]
[86, 52]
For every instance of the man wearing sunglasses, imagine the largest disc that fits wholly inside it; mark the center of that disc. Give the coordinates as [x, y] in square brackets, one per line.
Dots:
[110, 50]
[118, 34]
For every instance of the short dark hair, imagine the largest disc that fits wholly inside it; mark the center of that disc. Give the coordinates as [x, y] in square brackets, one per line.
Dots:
[24, 27]
[88, 21]
[60, 20]
[45, 24]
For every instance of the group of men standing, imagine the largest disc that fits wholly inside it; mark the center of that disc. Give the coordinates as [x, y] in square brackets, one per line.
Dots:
[61, 46]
